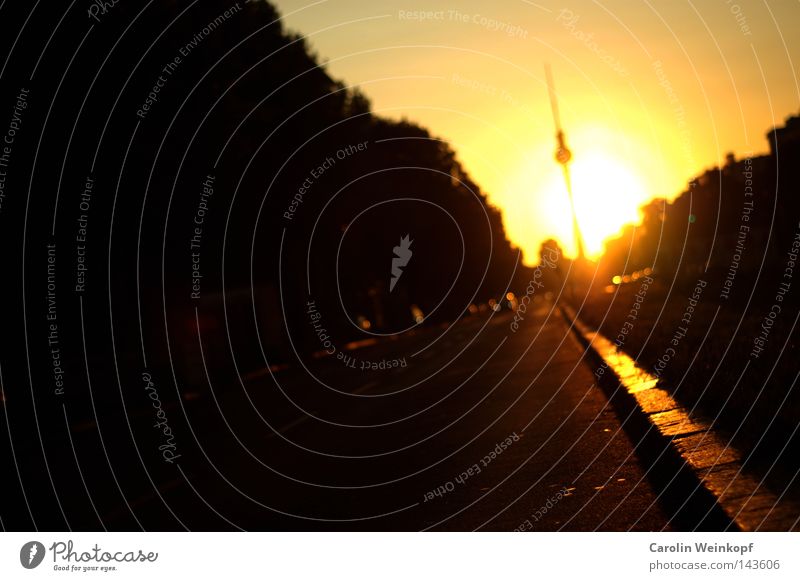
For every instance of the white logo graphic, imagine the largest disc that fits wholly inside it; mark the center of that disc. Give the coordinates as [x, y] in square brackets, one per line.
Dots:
[31, 554]
[402, 256]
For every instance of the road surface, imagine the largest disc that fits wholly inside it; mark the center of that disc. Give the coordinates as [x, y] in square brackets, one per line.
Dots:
[483, 427]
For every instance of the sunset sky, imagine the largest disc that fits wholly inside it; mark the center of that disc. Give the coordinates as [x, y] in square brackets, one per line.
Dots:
[650, 93]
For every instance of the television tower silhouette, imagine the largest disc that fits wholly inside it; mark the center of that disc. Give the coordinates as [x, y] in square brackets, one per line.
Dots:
[563, 157]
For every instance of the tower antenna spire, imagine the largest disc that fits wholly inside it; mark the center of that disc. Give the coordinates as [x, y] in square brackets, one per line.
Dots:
[563, 157]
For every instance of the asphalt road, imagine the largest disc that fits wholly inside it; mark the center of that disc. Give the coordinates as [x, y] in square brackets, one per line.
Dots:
[483, 428]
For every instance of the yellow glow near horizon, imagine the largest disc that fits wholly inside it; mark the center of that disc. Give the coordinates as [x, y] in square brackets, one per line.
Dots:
[607, 196]
[607, 182]
[694, 86]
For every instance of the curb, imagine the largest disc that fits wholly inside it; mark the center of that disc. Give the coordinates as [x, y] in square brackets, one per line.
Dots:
[698, 453]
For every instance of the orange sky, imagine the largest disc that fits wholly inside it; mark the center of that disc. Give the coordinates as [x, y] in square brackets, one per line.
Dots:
[650, 92]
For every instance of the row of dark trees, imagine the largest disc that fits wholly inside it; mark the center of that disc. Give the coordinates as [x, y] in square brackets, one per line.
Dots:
[736, 228]
[732, 222]
[209, 110]
[245, 102]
